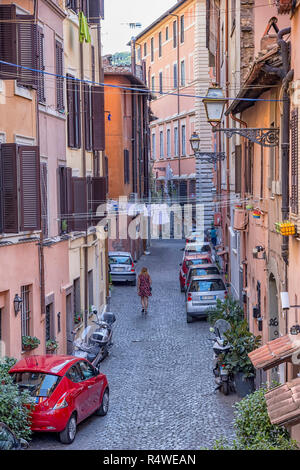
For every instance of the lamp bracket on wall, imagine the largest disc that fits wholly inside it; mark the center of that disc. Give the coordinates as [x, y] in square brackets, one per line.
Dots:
[266, 137]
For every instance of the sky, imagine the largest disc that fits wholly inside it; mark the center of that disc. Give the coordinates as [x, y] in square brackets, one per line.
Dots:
[116, 33]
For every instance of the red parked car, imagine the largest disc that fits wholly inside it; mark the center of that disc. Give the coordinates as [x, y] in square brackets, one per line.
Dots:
[188, 260]
[64, 391]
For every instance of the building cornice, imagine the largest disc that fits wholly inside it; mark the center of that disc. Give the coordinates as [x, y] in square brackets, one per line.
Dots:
[56, 8]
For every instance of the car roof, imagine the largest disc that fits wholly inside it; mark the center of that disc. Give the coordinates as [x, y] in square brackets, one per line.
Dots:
[119, 253]
[47, 364]
[203, 266]
[197, 255]
[208, 277]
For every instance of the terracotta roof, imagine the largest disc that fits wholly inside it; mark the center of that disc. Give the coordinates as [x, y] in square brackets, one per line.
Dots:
[283, 403]
[275, 352]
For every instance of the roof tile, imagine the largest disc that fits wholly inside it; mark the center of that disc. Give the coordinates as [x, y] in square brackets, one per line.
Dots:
[275, 352]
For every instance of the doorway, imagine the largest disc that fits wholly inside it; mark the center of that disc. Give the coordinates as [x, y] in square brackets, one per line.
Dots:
[273, 321]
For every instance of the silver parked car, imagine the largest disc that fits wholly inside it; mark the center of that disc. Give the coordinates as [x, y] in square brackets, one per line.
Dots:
[200, 270]
[121, 267]
[202, 295]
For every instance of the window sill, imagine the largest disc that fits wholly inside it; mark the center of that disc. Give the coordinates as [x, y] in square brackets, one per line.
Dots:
[23, 92]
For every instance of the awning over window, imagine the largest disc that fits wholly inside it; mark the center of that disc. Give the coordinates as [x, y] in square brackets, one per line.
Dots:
[275, 352]
[283, 403]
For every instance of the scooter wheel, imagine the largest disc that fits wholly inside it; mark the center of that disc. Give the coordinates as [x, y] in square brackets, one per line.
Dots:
[225, 388]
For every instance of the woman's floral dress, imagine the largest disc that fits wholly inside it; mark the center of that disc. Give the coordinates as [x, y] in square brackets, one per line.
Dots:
[144, 286]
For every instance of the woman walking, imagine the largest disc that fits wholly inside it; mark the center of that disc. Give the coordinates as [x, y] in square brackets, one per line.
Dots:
[144, 288]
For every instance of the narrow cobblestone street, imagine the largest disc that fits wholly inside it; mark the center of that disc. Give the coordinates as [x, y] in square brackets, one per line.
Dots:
[159, 371]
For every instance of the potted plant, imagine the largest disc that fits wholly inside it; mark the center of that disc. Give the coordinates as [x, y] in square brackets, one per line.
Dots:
[30, 342]
[237, 361]
[77, 318]
[51, 346]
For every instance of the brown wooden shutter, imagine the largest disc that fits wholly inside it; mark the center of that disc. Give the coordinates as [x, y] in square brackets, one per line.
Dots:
[10, 215]
[60, 106]
[40, 65]
[44, 197]
[98, 131]
[30, 196]
[93, 64]
[77, 114]
[8, 42]
[71, 112]
[87, 116]
[95, 11]
[27, 50]
[66, 198]
[294, 161]
[98, 196]
[80, 203]
[238, 168]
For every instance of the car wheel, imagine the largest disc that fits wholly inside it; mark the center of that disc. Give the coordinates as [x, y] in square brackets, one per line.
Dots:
[67, 436]
[189, 319]
[103, 409]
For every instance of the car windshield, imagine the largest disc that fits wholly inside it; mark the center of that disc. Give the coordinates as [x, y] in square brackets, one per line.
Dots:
[204, 271]
[36, 383]
[119, 259]
[207, 285]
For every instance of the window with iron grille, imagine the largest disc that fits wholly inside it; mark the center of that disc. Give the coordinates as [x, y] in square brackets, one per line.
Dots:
[183, 140]
[168, 142]
[294, 161]
[176, 141]
[25, 311]
[161, 144]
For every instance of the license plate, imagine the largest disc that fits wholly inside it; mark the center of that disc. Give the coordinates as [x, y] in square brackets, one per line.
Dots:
[223, 371]
[208, 297]
[119, 269]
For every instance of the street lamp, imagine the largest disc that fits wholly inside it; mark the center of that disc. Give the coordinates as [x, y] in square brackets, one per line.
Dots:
[214, 104]
[210, 157]
[17, 304]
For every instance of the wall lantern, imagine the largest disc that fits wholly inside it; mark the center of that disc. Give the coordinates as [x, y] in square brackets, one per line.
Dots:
[214, 104]
[17, 304]
[195, 142]
[211, 157]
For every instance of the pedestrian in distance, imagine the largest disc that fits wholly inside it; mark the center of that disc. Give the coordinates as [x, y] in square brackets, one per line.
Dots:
[213, 235]
[144, 288]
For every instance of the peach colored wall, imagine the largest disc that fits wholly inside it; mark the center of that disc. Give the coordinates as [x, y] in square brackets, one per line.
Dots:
[118, 134]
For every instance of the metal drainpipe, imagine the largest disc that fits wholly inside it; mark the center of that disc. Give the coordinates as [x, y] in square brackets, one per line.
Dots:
[285, 148]
[86, 300]
[41, 243]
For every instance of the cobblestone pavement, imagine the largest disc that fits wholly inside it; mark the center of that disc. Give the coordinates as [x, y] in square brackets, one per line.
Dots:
[159, 371]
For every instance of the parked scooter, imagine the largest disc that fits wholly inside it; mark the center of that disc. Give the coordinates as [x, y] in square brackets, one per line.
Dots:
[223, 377]
[94, 346]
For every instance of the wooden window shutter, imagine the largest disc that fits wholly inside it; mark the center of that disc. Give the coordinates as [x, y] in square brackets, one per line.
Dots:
[294, 161]
[126, 167]
[85, 8]
[27, 50]
[238, 168]
[10, 214]
[77, 114]
[98, 131]
[44, 197]
[71, 112]
[60, 106]
[96, 11]
[93, 64]
[8, 42]
[87, 116]
[66, 198]
[30, 196]
[40, 65]
[80, 203]
[98, 196]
